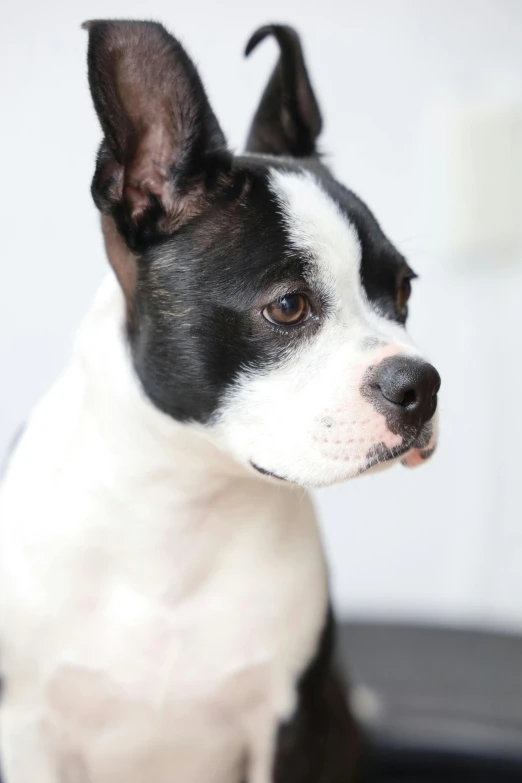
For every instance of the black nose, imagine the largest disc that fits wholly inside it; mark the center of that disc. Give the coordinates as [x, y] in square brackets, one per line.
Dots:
[404, 389]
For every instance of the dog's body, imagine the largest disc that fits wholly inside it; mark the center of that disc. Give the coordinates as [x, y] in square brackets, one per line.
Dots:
[168, 591]
[164, 607]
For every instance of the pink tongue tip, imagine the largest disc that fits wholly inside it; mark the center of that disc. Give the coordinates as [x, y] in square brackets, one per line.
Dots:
[413, 458]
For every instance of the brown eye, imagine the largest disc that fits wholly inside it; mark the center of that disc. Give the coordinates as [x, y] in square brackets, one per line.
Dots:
[403, 294]
[289, 310]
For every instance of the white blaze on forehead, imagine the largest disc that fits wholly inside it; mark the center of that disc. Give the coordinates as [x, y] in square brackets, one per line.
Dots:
[324, 235]
[320, 231]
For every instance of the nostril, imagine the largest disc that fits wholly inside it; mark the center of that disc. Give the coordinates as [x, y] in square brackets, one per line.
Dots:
[409, 399]
[406, 398]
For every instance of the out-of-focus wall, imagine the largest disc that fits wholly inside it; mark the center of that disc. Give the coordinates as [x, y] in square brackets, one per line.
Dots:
[444, 541]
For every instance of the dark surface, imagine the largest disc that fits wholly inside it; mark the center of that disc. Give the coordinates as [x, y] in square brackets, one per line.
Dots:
[446, 704]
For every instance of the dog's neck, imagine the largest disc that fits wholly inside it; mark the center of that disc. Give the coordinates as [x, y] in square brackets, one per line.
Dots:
[150, 484]
[140, 438]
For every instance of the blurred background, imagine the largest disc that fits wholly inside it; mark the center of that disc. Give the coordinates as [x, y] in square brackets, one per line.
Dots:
[422, 104]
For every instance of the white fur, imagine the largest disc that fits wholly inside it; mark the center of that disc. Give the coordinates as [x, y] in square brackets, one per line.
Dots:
[306, 419]
[147, 587]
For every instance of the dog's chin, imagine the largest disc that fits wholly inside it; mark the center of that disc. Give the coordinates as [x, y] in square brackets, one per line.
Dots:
[325, 475]
[378, 458]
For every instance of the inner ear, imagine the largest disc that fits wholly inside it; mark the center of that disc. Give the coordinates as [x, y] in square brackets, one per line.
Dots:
[288, 120]
[163, 148]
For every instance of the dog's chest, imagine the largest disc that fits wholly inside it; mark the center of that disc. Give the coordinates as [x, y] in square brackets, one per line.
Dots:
[188, 690]
[177, 655]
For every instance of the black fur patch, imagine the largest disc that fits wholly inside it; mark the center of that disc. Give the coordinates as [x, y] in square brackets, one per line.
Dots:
[199, 297]
[322, 742]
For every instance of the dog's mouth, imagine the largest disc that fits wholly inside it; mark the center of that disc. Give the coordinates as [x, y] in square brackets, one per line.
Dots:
[379, 454]
[417, 456]
[414, 453]
[268, 473]
[423, 448]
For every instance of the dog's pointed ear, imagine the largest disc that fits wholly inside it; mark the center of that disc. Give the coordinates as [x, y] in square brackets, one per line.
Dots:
[288, 120]
[163, 149]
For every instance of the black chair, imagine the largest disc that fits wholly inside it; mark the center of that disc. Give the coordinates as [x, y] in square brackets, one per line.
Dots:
[446, 704]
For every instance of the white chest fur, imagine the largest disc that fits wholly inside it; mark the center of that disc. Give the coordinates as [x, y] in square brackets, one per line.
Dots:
[156, 610]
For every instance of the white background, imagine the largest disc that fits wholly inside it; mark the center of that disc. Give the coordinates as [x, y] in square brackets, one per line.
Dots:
[443, 542]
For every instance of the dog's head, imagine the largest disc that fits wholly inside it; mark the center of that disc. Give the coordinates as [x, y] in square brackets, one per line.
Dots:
[263, 300]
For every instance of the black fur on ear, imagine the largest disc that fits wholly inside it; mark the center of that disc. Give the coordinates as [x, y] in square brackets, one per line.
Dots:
[163, 150]
[288, 120]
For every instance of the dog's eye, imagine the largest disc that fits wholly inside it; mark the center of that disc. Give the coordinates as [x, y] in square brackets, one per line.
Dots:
[403, 294]
[288, 310]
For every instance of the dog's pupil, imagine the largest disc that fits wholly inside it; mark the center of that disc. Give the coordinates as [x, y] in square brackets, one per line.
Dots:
[290, 304]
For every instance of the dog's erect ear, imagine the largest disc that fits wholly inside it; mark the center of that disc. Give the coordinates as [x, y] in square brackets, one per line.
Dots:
[163, 149]
[288, 120]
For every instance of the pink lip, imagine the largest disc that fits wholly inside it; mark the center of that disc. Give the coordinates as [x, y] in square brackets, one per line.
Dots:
[417, 456]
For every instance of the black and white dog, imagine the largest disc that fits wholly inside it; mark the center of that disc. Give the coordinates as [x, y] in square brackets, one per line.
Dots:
[164, 610]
